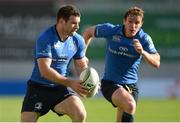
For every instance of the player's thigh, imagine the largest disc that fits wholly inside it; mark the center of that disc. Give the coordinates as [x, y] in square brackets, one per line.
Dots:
[70, 106]
[123, 98]
[29, 116]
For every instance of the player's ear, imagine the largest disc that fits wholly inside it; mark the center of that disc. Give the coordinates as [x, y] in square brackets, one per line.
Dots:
[124, 21]
[61, 20]
[142, 23]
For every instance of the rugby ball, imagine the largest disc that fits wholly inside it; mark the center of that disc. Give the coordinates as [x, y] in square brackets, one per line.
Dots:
[90, 79]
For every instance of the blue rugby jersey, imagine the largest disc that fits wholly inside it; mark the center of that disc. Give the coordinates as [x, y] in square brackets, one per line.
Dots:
[122, 60]
[49, 45]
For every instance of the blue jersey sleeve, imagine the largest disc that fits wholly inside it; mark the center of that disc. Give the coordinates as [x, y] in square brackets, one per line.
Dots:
[81, 46]
[149, 45]
[104, 30]
[43, 48]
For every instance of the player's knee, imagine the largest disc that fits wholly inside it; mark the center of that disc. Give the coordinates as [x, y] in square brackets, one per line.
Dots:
[80, 116]
[131, 107]
[29, 117]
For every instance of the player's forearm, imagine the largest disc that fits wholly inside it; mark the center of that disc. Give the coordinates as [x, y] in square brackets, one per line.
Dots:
[152, 59]
[79, 70]
[87, 39]
[54, 76]
[80, 65]
[50, 73]
[88, 34]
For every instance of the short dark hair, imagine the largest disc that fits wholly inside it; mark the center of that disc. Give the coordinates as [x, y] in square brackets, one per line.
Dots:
[66, 11]
[134, 11]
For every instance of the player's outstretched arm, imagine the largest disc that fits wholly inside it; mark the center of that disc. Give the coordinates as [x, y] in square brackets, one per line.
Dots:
[88, 34]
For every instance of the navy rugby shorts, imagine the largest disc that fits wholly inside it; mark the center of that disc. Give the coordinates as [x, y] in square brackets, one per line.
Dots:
[41, 98]
[108, 88]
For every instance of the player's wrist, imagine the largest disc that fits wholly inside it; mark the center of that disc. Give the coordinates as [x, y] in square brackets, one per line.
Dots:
[143, 53]
[69, 82]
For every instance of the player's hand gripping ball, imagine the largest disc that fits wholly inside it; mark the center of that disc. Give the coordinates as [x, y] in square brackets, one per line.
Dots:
[90, 79]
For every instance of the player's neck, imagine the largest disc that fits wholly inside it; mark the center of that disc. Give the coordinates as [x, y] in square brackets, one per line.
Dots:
[62, 35]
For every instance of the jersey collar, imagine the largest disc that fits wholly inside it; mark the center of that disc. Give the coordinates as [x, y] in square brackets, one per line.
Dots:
[59, 38]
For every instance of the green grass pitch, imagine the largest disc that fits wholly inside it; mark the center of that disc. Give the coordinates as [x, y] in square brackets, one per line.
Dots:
[99, 110]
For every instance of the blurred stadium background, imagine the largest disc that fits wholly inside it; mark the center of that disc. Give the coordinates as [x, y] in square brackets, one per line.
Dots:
[22, 20]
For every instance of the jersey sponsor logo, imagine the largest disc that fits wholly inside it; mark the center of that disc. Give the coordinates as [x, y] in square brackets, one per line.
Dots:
[60, 59]
[123, 49]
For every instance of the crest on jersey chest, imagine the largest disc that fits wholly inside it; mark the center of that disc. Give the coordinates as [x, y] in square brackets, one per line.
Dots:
[57, 44]
[72, 45]
[116, 38]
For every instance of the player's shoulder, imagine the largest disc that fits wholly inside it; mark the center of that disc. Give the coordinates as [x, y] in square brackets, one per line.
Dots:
[107, 25]
[145, 37]
[47, 34]
[78, 37]
[49, 31]
[142, 33]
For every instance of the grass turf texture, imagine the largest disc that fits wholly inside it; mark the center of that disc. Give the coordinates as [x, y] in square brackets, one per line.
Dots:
[98, 109]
